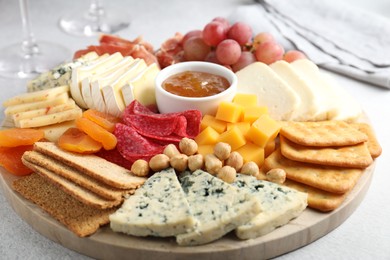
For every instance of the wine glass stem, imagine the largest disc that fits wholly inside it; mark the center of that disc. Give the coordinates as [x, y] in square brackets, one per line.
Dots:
[29, 45]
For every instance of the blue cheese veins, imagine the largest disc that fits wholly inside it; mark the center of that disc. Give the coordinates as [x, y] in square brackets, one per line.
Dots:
[158, 208]
[218, 206]
[279, 205]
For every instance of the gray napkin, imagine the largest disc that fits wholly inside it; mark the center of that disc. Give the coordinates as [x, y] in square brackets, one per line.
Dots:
[336, 36]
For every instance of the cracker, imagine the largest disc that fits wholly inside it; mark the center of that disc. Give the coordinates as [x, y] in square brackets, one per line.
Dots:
[353, 156]
[327, 178]
[81, 194]
[77, 217]
[318, 199]
[373, 145]
[323, 133]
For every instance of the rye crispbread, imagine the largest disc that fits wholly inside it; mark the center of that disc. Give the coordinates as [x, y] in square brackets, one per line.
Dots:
[92, 165]
[373, 145]
[353, 156]
[76, 216]
[322, 133]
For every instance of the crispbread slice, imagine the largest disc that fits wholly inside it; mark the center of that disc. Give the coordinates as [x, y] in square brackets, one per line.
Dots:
[322, 133]
[81, 219]
[75, 176]
[331, 179]
[92, 165]
[373, 145]
[353, 156]
[81, 194]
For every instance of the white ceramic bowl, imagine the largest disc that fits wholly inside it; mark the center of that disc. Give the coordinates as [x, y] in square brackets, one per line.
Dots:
[168, 102]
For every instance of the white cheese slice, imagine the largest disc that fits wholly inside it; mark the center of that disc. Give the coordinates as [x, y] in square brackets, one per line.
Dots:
[157, 208]
[271, 90]
[309, 106]
[80, 73]
[112, 92]
[279, 205]
[142, 88]
[53, 132]
[218, 206]
[36, 96]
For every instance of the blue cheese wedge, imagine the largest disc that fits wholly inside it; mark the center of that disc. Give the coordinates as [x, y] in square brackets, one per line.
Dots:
[279, 205]
[158, 208]
[218, 206]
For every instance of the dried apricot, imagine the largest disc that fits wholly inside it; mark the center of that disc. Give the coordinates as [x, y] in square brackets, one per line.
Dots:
[14, 137]
[105, 120]
[11, 159]
[75, 140]
[97, 133]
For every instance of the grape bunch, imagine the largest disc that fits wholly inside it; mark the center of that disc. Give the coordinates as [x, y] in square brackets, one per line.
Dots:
[231, 45]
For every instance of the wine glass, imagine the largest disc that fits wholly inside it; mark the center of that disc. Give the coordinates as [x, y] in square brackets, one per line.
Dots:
[30, 58]
[94, 21]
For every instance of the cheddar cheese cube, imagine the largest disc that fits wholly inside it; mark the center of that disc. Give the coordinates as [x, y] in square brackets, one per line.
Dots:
[217, 125]
[252, 113]
[229, 112]
[243, 126]
[251, 152]
[245, 99]
[269, 148]
[263, 130]
[205, 149]
[234, 137]
[207, 136]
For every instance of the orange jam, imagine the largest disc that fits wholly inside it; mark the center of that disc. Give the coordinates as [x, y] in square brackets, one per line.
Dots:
[195, 84]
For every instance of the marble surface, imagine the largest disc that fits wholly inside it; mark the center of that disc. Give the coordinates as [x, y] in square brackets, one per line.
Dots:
[364, 235]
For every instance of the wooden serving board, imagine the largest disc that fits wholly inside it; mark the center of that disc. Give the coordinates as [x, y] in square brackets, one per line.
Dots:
[105, 244]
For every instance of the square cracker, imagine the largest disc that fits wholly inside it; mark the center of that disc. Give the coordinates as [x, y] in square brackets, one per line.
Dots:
[323, 133]
[327, 178]
[373, 145]
[353, 156]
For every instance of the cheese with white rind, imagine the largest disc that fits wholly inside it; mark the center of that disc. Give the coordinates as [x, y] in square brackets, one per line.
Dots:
[271, 90]
[36, 96]
[60, 99]
[279, 205]
[309, 106]
[142, 88]
[104, 78]
[112, 93]
[157, 208]
[82, 72]
[50, 119]
[218, 206]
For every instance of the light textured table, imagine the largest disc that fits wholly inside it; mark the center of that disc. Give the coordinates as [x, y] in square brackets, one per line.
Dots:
[364, 235]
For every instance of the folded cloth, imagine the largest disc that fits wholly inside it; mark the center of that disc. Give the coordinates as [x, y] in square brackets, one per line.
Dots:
[334, 35]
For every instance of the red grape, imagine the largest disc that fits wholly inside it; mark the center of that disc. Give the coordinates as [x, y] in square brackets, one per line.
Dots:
[262, 38]
[213, 33]
[269, 52]
[228, 52]
[211, 57]
[190, 34]
[240, 32]
[223, 21]
[293, 55]
[245, 59]
[195, 49]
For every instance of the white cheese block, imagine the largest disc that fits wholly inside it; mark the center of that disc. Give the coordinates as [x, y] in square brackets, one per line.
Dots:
[112, 93]
[60, 99]
[80, 73]
[41, 95]
[279, 205]
[104, 78]
[142, 88]
[53, 132]
[309, 108]
[271, 90]
[218, 206]
[50, 119]
[157, 208]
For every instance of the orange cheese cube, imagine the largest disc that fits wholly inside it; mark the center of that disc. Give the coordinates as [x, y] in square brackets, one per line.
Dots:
[229, 112]
[234, 137]
[269, 148]
[252, 113]
[205, 149]
[245, 99]
[217, 125]
[263, 130]
[251, 152]
[243, 126]
[207, 136]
